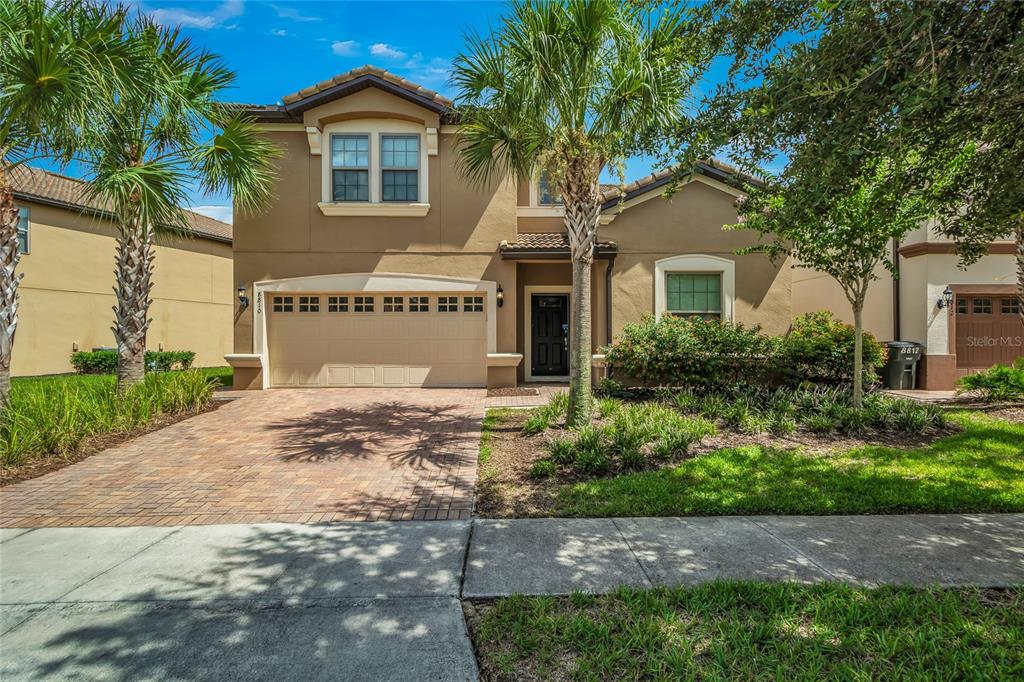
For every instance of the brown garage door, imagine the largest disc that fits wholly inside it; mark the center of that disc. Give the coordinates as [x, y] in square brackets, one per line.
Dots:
[359, 339]
[988, 331]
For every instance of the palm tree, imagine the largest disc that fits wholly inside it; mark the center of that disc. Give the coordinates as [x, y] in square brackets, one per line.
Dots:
[55, 57]
[156, 142]
[570, 88]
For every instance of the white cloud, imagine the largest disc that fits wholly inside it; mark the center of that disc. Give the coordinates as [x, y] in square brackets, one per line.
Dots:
[293, 14]
[387, 51]
[177, 16]
[221, 213]
[344, 48]
[280, 32]
[433, 72]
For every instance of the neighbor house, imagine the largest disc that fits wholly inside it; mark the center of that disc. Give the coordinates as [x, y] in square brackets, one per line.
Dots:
[67, 244]
[967, 318]
[379, 264]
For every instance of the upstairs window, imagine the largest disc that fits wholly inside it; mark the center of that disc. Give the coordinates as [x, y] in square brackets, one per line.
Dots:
[547, 193]
[399, 167]
[23, 229]
[689, 295]
[350, 167]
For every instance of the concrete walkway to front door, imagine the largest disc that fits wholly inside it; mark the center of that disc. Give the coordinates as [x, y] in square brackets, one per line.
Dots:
[380, 601]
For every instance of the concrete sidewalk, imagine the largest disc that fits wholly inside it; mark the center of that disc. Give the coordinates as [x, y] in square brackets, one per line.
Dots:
[379, 601]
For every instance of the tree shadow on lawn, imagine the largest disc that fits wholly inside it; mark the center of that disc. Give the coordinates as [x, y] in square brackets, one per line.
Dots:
[978, 470]
[408, 435]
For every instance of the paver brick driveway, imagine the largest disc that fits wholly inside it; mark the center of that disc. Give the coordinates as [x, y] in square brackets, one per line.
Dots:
[283, 455]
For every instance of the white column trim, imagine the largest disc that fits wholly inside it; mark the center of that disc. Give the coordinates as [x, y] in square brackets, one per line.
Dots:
[696, 263]
[371, 282]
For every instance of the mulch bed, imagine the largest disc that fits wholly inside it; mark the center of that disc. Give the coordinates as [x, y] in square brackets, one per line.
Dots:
[44, 464]
[511, 391]
[505, 488]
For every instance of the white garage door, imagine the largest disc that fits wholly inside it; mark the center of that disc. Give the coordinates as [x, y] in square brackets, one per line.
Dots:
[358, 339]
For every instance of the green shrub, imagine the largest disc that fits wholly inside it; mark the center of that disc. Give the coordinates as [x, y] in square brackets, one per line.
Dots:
[998, 384]
[819, 349]
[590, 453]
[675, 352]
[54, 416]
[606, 407]
[562, 449]
[105, 361]
[543, 418]
[543, 468]
[539, 420]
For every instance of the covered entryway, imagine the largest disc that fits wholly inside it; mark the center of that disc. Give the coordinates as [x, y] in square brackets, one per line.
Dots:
[393, 339]
[988, 330]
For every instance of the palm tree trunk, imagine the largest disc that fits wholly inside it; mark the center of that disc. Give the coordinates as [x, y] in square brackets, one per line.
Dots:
[582, 201]
[858, 354]
[134, 282]
[9, 280]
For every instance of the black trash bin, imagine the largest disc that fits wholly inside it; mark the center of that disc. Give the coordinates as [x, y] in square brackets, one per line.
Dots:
[900, 369]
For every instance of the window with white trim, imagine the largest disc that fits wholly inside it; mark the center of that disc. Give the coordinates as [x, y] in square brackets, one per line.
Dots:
[473, 304]
[399, 167]
[419, 304]
[23, 237]
[393, 304]
[693, 294]
[350, 167]
[447, 304]
[337, 304]
[362, 304]
[309, 304]
[283, 304]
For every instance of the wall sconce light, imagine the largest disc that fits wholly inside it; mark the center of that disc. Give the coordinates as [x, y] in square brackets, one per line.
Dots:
[947, 299]
[500, 296]
[243, 298]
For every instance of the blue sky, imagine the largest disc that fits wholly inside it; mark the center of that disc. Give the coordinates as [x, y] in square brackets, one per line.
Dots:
[280, 47]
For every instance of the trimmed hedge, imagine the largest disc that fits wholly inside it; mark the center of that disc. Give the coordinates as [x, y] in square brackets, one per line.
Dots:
[105, 361]
[996, 384]
[707, 353]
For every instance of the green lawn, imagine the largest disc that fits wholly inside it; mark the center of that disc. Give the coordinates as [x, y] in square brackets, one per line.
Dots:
[979, 469]
[755, 631]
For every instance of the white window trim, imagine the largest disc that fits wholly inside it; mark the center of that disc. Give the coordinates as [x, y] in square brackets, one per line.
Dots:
[374, 207]
[28, 230]
[695, 264]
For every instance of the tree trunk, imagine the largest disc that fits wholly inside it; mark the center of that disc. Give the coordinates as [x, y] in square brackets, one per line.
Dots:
[582, 199]
[9, 280]
[134, 282]
[858, 355]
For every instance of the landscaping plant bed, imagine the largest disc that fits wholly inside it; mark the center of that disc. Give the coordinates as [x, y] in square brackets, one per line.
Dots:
[747, 631]
[966, 462]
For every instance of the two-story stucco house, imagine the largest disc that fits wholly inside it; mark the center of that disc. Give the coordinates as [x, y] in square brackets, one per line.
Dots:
[380, 265]
[68, 241]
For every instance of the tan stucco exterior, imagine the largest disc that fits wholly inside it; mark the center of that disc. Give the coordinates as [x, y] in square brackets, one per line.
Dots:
[460, 234]
[67, 293]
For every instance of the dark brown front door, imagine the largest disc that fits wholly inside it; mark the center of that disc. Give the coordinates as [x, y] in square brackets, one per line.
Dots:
[550, 335]
[988, 330]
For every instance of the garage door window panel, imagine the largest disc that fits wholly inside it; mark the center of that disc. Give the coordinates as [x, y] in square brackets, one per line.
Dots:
[473, 304]
[309, 304]
[337, 304]
[1010, 306]
[363, 304]
[419, 304]
[283, 304]
[982, 306]
[394, 304]
[447, 304]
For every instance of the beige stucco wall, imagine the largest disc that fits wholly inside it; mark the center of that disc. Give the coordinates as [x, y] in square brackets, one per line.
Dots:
[67, 293]
[691, 223]
[814, 290]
